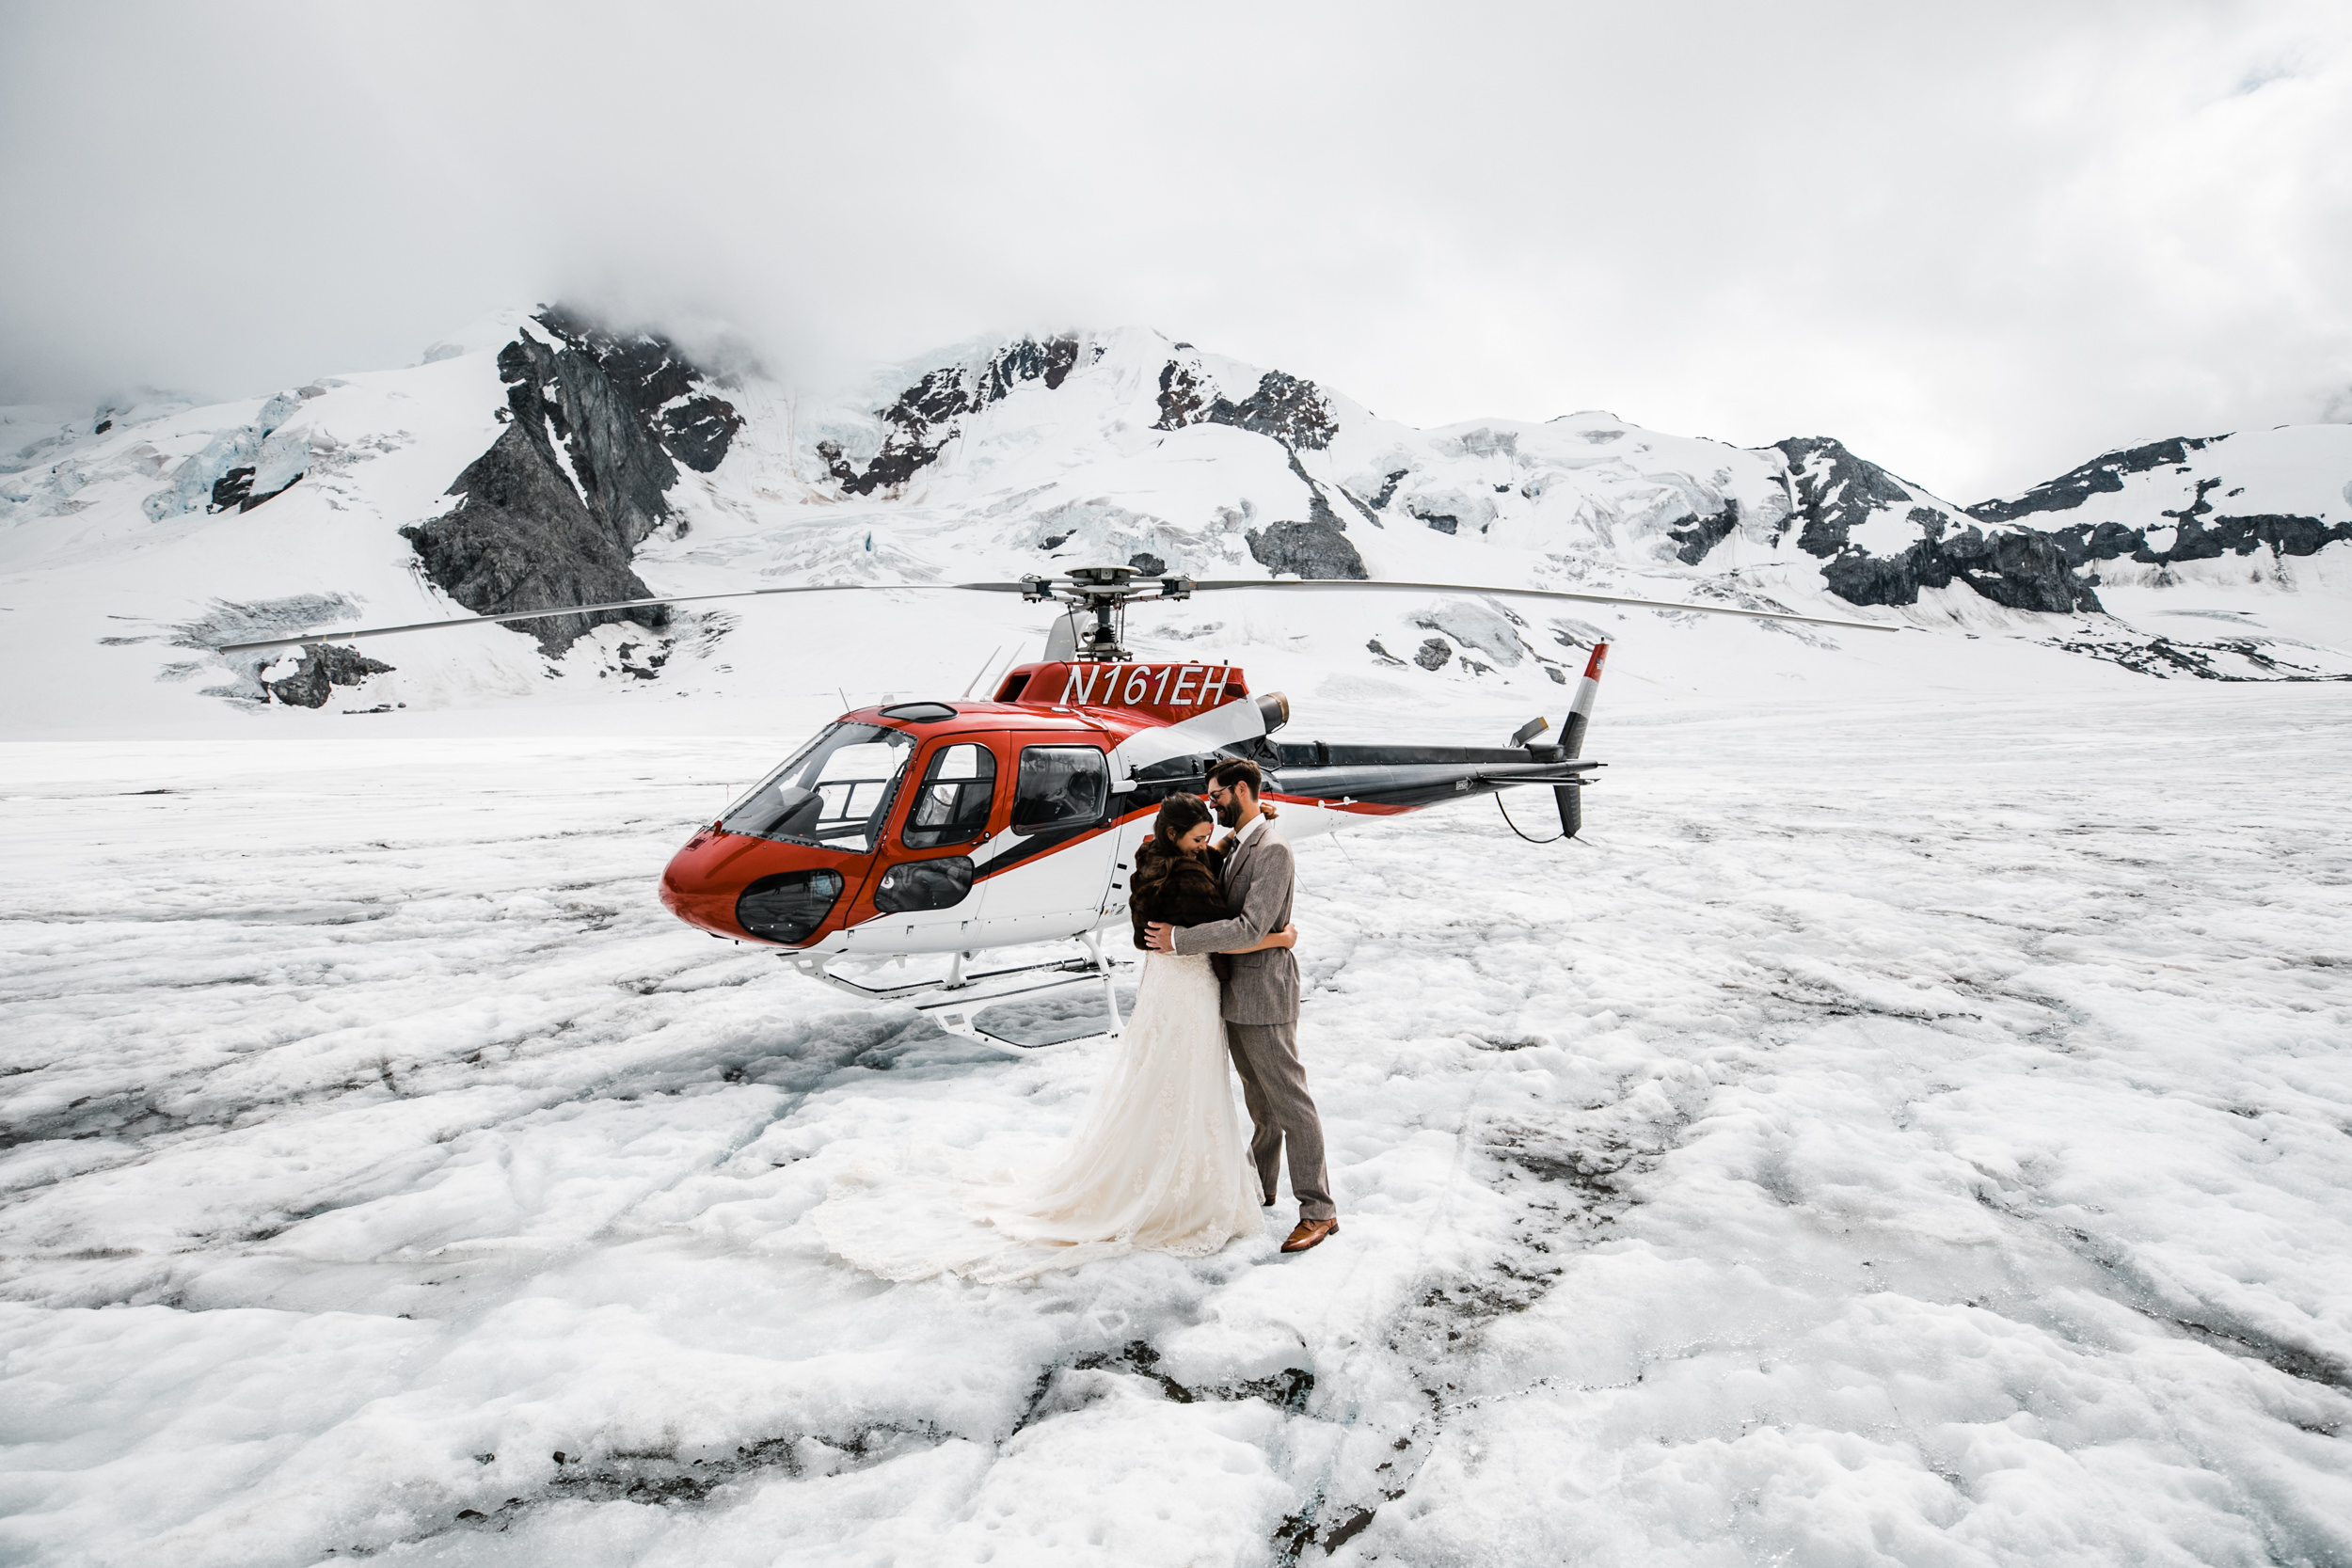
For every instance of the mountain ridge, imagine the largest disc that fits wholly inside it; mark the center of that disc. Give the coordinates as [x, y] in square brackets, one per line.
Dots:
[540, 459]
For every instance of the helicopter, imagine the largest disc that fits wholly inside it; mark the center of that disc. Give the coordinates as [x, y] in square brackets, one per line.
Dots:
[963, 827]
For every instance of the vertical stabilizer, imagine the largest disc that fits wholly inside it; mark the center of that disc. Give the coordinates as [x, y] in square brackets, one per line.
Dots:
[1580, 708]
[1571, 796]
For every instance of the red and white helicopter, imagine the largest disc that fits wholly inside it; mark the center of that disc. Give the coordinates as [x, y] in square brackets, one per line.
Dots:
[955, 828]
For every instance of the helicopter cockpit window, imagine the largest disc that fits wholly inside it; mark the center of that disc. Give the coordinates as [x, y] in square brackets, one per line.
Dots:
[952, 805]
[1059, 786]
[834, 791]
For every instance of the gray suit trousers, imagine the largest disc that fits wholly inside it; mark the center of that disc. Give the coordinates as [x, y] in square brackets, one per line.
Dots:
[1274, 1086]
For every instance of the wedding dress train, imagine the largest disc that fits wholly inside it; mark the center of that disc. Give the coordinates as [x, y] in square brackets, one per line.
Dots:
[1159, 1163]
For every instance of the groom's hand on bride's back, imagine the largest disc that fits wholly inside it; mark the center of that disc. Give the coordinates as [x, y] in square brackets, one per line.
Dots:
[1160, 937]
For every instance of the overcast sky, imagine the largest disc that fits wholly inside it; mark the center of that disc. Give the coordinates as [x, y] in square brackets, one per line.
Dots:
[1981, 243]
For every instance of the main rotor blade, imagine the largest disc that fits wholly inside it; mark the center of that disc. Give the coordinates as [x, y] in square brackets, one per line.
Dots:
[619, 604]
[1546, 593]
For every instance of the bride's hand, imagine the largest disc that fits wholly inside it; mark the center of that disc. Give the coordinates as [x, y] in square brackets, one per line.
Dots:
[1266, 809]
[1289, 937]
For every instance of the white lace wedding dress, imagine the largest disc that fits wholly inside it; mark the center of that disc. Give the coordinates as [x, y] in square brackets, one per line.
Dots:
[1158, 1164]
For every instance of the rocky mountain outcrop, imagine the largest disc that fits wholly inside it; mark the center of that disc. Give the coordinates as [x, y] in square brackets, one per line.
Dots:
[597, 424]
[1291, 410]
[930, 414]
[1880, 539]
[2187, 470]
[1314, 549]
[322, 669]
[2102, 475]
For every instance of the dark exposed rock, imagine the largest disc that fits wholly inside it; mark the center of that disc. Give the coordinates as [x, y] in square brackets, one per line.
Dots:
[1149, 564]
[699, 430]
[1837, 492]
[612, 410]
[1388, 488]
[323, 668]
[2021, 569]
[1434, 654]
[2164, 657]
[1289, 409]
[930, 414]
[1030, 360]
[1444, 522]
[523, 539]
[563, 395]
[1180, 397]
[236, 488]
[1310, 549]
[2198, 534]
[836, 464]
[251, 501]
[2281, 534]
[232, 488]
[2104, 473]
[668, 392]
[2201, 538]
[1318, 504]
[1358, 503]
[1700, 534]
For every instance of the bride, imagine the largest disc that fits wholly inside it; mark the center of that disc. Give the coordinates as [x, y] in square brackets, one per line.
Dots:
[1160, 1162]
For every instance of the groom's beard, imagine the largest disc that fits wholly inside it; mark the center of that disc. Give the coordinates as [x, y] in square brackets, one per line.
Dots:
[1228, 814]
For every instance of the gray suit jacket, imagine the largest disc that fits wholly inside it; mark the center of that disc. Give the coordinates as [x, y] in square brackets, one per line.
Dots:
[1263, 987]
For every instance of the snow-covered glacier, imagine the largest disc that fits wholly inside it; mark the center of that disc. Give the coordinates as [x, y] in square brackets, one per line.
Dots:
[1908, 1126]
[1898, 1131]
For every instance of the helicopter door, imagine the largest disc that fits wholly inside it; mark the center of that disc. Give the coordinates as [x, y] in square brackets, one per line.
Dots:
[926, 897]
[1049, 871]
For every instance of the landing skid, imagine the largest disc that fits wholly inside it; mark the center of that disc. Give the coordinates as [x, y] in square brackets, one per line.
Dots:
[957, 1003]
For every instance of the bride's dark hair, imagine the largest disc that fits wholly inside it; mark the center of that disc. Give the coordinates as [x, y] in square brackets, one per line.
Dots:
[1179, 815]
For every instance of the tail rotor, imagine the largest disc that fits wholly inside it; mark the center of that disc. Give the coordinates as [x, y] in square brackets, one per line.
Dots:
[1571, 796]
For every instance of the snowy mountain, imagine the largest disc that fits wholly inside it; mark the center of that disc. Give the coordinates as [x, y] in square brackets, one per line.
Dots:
[538, 460]
[2279, 490]
[1586, 486]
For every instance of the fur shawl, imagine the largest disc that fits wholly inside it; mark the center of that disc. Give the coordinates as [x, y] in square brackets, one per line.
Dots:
[1178, 889]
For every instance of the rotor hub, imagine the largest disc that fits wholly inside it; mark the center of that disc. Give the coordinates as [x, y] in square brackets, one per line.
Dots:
[1102, 592]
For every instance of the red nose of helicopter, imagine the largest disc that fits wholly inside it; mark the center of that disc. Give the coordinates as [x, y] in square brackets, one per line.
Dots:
[752, 889]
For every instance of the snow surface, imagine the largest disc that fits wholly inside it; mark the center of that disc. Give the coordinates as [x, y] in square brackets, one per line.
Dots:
[1910, 1126]
[1902, 1131]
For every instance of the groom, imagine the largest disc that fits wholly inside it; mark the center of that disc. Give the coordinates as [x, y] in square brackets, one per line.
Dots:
[1261, 1000]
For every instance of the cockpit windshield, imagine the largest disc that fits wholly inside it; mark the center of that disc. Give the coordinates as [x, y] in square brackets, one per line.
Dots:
[835, 792]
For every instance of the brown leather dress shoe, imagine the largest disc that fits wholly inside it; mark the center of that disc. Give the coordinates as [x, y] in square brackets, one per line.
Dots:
[1311, 1233]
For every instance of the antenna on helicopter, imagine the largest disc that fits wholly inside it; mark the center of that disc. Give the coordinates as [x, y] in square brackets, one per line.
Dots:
[986, 665]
